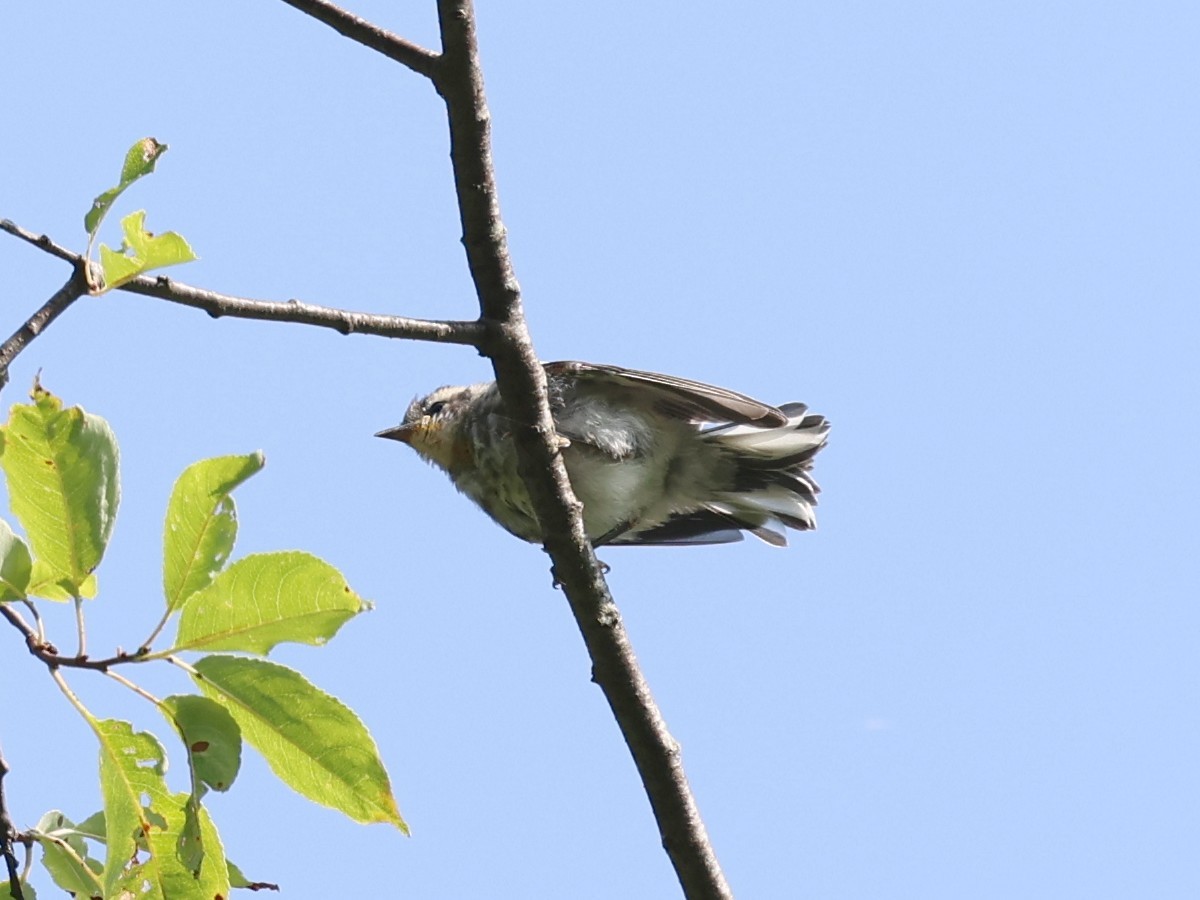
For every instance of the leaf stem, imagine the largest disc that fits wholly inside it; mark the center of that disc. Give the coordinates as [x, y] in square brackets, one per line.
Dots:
[71, 697]
[144, 647]
[80, 628]
[137, 689]
[183, 664]
[37, 619]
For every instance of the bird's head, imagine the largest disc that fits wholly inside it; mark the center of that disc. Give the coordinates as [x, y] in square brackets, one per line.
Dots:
[433, 427]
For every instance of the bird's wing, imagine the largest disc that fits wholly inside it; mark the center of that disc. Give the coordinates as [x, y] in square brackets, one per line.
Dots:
[678, 397]
[701, 527]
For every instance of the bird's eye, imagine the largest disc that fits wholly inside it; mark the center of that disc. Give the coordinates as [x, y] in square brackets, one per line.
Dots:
[434, 408]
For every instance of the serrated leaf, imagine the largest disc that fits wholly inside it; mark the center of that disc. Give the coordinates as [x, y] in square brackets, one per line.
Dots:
[141, 252]
[191, 860]
[266, 599]
[63, 485]
[139, 161]
[131, 767]
[201, 524]
[312, 741]
[141, 813]
[16, 564]
[211, 736]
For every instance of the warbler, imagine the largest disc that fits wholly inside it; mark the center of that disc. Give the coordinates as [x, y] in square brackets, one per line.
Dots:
[654, 459]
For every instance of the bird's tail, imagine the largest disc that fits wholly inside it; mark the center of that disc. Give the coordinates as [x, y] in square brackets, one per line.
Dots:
[773, 488]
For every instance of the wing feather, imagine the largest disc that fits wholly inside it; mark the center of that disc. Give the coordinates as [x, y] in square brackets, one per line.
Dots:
[679, 397]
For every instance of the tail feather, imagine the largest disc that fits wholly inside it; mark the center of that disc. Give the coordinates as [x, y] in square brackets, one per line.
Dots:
[772, 488]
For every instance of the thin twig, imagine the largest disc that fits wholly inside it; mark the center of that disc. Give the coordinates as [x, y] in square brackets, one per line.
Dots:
[48, 653]
[417, 58]
[522, 385]
[37, 618]
[218, 305]
[342, 320]
[39, 240]
[8, 837]
[137, 689]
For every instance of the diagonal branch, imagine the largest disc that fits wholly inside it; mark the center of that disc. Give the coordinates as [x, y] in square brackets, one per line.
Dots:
[523, 387]
[75, 287]
[502, 334]
[394, 47]
[217, 305]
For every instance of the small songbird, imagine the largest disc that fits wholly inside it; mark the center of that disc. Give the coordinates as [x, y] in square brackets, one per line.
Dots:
[653, 458]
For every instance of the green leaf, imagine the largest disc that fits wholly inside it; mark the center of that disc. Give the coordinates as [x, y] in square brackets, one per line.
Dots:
[201, 523]
[238, 879]
[311, 740]
[143, 251]
[131, 767]
[118, 267]
[211, 736]
[63, 484]
[265, 599]
[191, 860]
[65, 856]
[16, 564]
[27, 890]
[93, 826]
[139, 161]
[45, 582]
[140, 813]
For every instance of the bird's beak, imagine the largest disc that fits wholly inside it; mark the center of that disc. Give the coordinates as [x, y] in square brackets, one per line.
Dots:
[402, 433]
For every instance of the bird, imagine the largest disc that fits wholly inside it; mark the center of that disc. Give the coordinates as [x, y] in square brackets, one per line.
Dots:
[654, 459]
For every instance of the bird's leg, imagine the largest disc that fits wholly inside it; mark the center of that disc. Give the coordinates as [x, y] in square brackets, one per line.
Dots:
[556, 583]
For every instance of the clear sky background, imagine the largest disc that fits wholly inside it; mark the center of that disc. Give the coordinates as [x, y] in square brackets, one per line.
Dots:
[965, 232]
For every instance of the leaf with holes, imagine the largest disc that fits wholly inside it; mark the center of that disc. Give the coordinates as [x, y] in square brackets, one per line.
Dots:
[139, 161]
[131, 772]
[141, 252]
[141, 814]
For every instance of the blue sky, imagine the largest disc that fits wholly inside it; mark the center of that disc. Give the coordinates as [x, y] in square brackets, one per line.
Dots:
[965, 232]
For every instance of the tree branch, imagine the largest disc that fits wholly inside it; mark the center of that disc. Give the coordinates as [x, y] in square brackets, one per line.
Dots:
[394, 47]
[48, 653]
[8, 837]
[523, 386]
[217, 305]
[503, 335]
[75, 287]
[342, 320]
